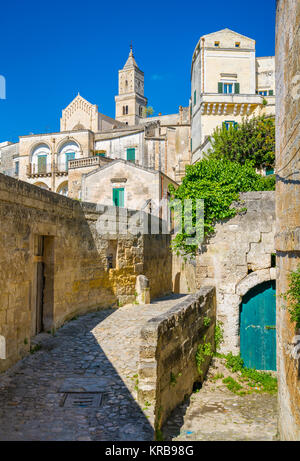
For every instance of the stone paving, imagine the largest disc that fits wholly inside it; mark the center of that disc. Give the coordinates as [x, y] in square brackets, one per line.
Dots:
[214, 413]
[81, 385]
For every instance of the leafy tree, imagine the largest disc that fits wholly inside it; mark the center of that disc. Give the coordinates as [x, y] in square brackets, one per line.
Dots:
[147, 111]
[218, 182]
[253, 139]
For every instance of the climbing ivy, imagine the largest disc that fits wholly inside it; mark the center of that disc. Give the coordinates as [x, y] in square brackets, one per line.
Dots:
[292, 296]
[218, 182]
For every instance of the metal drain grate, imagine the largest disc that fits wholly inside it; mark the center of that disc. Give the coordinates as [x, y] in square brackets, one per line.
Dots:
[81, 400]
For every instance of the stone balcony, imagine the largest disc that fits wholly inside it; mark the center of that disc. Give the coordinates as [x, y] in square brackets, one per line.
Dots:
[219, 103]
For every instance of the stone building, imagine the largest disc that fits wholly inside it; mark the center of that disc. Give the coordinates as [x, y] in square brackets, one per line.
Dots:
[160, 143]
[287, 209]
[127, 185]
[61, 258]
[228, 83]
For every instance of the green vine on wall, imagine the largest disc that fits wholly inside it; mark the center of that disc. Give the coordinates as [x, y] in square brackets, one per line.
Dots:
[292, 296]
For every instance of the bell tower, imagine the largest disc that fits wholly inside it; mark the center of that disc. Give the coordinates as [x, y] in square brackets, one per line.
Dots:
[130, 102]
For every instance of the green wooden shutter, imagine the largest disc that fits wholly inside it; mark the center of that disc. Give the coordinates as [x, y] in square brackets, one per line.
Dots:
[220, 87]
[195, 97]
[42, 163]
[131, 155]
[118, 196]
[269, 171]
[237, 88]
[271, 92]
[69, 156]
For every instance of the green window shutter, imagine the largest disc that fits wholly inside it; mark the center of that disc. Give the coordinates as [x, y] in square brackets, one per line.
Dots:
[271, 92]
[191, 145]
[42, 164]
[69, 156]
[269, 171]
[131, 155]
[195, 97]
[220, 87]
[118, 196]
[237, 88]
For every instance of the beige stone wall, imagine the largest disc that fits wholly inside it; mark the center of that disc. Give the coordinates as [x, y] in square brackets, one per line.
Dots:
[81, 167]
[237, 258]
[287, 207]
[80, 114]
[183, 274]
[77, 256]
[167, 359]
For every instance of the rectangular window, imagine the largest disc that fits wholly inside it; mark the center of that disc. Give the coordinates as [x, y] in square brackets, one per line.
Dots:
[131, 155]
[17, 169]
[271, 92]
[217, 44]
[237, 44]
[69, 156]
[42, 164]
[230, 123]
[118, 196]
[228, 88]
[100, 153]
[269, 171]
[195, 97]
[263, 93]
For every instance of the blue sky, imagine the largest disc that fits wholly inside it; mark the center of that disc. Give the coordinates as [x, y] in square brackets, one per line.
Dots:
[52, 50]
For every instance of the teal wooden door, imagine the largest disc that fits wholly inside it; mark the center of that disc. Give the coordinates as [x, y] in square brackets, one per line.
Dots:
[258, 327]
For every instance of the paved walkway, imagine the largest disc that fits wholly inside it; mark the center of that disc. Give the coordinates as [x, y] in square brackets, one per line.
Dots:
[214, 413]
[82, 384]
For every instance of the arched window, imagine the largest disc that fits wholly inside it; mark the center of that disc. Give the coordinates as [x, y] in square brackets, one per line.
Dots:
[41, 159]
[70, 150]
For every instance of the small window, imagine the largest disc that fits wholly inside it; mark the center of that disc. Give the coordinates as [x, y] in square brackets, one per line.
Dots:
[217, 44]
[263, 92]
[269, 171]
[131, 154]
[237, 44]
[230, 123]
[195, 97]
[17, 169]
[228, 88]
[126, 110]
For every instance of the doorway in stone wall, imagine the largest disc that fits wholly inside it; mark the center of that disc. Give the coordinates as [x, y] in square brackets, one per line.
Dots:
[44, 295]
[258, 327]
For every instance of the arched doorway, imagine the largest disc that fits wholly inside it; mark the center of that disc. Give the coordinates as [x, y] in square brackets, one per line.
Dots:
[258, 327]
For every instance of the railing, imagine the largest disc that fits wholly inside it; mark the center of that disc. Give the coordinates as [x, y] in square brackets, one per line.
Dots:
[88, 161]
[38, 170]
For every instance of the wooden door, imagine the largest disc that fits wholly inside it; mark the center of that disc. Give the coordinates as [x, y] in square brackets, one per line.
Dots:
[258, 327]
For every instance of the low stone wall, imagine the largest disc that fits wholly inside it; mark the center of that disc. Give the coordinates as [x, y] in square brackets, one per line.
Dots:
[169, 343]
[58, 260]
